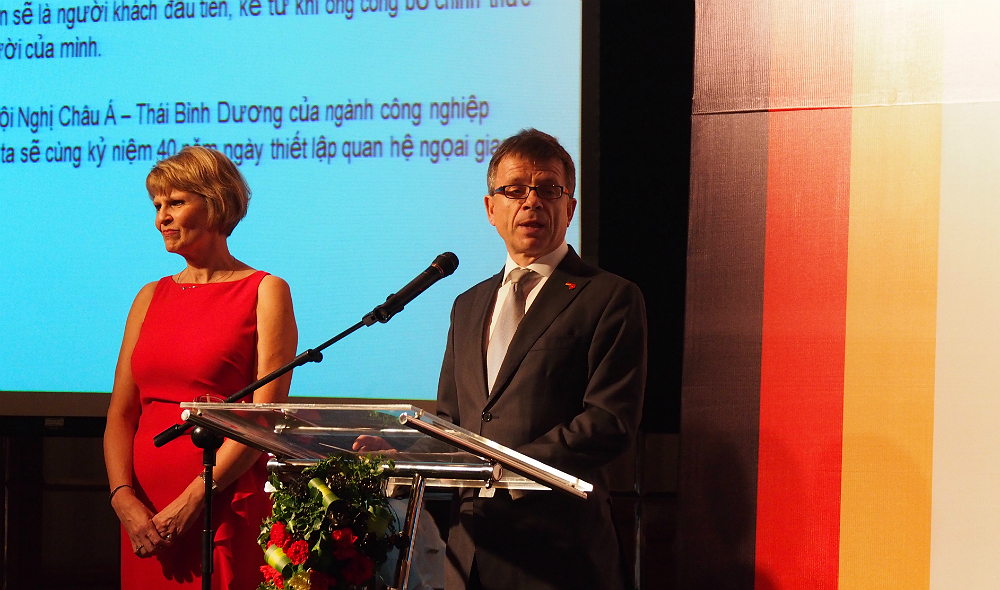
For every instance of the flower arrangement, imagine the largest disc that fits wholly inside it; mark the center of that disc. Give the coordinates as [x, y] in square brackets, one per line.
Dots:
[331, 526]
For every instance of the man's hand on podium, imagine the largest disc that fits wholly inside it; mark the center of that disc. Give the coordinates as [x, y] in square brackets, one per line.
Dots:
[371, 444]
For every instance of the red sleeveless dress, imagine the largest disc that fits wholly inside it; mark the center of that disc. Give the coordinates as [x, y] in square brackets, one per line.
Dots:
[195, 340]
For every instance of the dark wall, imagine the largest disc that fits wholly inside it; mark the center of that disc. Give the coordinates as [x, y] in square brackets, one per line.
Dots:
[643, 147]
[646, 81]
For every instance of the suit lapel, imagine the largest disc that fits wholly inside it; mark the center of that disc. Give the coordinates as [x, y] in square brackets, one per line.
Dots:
[482, 308]
[557, 293]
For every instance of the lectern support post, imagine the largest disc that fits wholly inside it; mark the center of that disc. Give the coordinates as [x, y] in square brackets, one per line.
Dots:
[412, 518]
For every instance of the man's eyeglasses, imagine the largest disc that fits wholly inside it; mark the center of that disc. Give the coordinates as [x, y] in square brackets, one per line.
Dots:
[549, 192]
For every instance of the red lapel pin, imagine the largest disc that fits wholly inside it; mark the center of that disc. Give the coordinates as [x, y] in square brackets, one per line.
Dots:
[571, 285]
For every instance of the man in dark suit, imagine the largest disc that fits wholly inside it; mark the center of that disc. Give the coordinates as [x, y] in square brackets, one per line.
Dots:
[551, 363]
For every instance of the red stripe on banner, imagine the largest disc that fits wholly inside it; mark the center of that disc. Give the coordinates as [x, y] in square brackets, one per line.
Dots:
[802, 357]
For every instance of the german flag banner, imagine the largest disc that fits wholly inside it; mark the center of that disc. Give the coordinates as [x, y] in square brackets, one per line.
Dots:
[841, 401]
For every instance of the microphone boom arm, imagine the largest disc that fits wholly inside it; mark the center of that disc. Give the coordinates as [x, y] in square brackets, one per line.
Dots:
[313, 355]
[442, 266]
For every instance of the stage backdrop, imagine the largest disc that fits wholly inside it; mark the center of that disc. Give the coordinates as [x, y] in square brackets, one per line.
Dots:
[364, 128]
[840, 404]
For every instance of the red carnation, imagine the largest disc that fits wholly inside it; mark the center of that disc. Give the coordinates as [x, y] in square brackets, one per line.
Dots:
[358, 570]
[344, 537]
[344, 544]
[273, 575]
[298, 552]
[280, 536]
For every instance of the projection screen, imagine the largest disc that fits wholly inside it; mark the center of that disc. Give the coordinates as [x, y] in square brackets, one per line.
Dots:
[364, 129]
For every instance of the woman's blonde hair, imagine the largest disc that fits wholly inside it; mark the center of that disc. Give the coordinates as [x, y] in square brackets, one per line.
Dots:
[210, 174]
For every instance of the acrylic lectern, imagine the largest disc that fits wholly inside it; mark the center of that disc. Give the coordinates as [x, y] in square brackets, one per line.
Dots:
[428, 452]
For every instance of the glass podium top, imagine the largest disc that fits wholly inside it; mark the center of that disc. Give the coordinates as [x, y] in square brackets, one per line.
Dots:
[445, 454]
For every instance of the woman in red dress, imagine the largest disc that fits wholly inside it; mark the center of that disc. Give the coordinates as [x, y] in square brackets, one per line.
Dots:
[212, 328]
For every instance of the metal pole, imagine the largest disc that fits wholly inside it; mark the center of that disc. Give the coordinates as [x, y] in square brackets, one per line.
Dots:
[209, 442]
[412, 518]
[207, 541]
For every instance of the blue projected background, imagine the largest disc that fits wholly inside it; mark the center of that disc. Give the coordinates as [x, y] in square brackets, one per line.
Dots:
[341, 208]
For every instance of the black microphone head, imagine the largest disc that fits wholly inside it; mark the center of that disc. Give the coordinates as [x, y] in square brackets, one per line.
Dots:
[446, 263]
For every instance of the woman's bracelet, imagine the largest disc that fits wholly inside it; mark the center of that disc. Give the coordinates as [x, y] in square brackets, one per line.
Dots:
[115, 491]
[215, 484]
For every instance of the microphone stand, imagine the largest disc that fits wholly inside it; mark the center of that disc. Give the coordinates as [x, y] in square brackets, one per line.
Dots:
[210, 442]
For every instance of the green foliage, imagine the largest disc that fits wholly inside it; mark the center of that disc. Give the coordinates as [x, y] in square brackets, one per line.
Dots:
[356, 481]
[320, 505]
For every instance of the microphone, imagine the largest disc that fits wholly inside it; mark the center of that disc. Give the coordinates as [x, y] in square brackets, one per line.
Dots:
[443, 265]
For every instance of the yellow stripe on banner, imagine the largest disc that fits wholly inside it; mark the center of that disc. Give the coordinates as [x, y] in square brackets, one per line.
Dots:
[898, 52]
[889, 364]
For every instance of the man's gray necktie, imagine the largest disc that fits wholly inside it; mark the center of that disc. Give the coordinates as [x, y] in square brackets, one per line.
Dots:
[510, 316]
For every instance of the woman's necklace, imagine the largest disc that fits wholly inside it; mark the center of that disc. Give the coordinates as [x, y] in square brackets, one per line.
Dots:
[221, 279]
